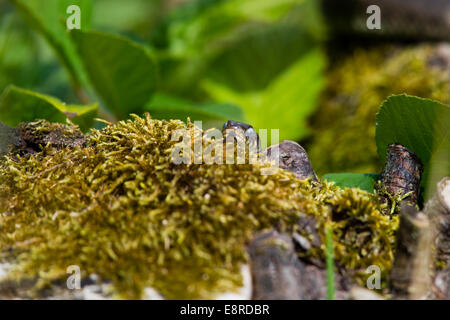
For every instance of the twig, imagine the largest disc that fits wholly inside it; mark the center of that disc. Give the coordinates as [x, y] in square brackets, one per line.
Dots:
[330, 263]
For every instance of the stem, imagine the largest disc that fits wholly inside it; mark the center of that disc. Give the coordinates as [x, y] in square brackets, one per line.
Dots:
[330, 263]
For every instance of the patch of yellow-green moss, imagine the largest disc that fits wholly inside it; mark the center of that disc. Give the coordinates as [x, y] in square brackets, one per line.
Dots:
[344, 124]
[120, 208]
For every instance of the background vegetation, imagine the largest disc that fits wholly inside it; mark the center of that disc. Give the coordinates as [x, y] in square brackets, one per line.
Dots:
[260, 62]
[211, 60]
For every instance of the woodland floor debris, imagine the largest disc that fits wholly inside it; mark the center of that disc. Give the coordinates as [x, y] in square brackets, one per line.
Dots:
[118, 207]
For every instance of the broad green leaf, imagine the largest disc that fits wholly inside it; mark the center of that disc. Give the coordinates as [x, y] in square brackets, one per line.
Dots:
[122, 72]
[421, 125]
[275, 47]
[19, 105]
[230, 41]
[286, 103]
[293, 96]
[364, 181]
[82, 115]
[168, 107]
[49, 18]
[124, 16]
[188, 36]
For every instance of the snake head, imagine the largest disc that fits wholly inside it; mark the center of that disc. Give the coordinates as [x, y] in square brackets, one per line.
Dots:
[249, 132]
[292, 157]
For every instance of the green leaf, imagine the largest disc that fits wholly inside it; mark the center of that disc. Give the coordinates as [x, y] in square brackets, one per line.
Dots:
[19, 105]
[191, 33]
[168, 107]
[229, 41]
[48, 17]
[276, 47]
[123, 72]
[421, 125]
[364, 181]
[286, 103]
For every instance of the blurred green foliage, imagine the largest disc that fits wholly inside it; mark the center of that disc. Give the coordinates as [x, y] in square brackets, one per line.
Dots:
[266, 55]
[357, 84]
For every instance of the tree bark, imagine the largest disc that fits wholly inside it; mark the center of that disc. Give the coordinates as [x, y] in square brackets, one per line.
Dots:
[278, 274]
[438, 211]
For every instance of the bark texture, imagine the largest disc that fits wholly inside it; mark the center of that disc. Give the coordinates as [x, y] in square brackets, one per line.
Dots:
[278, 274]
[438, 211]
[402, 174]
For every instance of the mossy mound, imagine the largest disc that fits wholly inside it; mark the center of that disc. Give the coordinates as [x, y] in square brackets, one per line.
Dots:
[344, 125]
[118, 207]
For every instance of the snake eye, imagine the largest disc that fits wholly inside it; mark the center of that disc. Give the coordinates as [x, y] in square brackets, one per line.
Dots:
[250, 132]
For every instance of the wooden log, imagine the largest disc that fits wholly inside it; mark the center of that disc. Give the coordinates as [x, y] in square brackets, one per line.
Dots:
[411, 272]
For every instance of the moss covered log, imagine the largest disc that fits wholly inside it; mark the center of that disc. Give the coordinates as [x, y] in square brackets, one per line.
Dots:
[118, 207]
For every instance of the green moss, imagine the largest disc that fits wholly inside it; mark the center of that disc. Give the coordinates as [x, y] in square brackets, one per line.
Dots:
[118, 207]
[344, 125]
